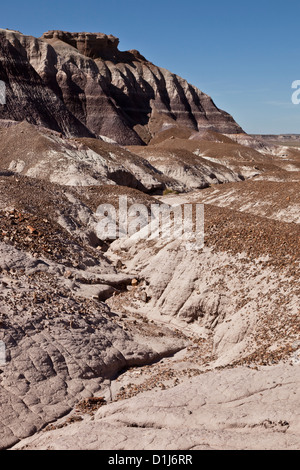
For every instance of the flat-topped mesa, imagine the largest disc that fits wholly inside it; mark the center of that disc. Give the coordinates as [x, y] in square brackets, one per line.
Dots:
[92, 45]
[81, 84]
[95, 45]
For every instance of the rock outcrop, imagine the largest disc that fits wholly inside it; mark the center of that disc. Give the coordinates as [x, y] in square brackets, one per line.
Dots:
[40, 153]
[188, 345]
[80, 84]
[44, 154]
[231, 290]
[27, 95]
[229, 409]
[73, 316]
[63, 344]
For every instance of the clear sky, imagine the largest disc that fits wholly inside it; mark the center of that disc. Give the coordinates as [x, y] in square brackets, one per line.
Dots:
[245, 55]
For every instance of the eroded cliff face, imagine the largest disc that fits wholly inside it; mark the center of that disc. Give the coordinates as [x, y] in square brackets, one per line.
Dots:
[28, 96]
[80, 83]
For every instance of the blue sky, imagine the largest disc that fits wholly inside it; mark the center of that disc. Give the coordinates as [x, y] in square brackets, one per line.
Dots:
[245, 55]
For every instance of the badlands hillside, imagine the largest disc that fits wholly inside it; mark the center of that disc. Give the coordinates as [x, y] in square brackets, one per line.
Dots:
[135, 342]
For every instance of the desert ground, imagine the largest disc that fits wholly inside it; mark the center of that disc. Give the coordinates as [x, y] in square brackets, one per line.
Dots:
[141, 343]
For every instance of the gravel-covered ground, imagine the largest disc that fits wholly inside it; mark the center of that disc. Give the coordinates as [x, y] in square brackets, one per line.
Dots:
[92, 329]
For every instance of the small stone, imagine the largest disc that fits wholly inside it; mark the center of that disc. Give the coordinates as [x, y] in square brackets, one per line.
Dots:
[31, 229]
